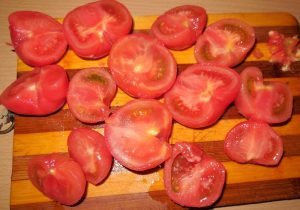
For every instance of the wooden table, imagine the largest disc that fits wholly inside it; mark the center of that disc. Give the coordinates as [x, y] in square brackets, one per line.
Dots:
[138, 8]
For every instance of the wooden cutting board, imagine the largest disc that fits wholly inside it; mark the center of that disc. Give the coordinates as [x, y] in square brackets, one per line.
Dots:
[125, 189]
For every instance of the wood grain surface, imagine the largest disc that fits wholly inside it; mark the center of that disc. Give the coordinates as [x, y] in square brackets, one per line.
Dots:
[125, 189]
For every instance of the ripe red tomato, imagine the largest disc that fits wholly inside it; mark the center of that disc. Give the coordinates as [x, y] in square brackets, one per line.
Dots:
[142, 66]
[191, 177]
[38, 39]
[137, 134]
[41, 91]
[90, 93]
[179, 27]
[271, 102]
[201, 94]
[253, 141]
[57, 177]
[93, 28]
[225, 42]
[87, 147]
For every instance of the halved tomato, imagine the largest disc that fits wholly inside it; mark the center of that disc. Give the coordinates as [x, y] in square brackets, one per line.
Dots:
[90, 93]
[57, 177]
[88, 148]
[225, 42]
[41, 91]
[253, 141]
[137, 134]
[201, 94]
[271, 102]
[191, 177]
[38, 39]
[93, 28]
[142, 66]
[179, 27]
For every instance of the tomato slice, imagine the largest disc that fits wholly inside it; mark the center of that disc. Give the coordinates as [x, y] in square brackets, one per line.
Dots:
[179, 27]
[271, 102]
[201, 94]
[253, 141]
[225, 42]
[88, 148]
[93, 28]
[38, 39]
[57, 177]
[142, 66]
[90, 93]
[191, 177]
[41, 91]
[137, 134]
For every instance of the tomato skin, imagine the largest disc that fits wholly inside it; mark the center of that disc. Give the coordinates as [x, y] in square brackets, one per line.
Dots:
[38, 39]
[141, 66]
[41, 91]
[179, 27]
[137, 134]
[57, 177]
[90, 93]
[201, 94]
[271, 102]
[88, 148]
[93, 28]
[253, 141]
[192, 178]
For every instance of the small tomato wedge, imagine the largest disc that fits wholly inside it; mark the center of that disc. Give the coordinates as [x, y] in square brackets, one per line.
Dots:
[137, 134]
[271, 102]
[88, 148]
[38, 39]
[179, 27]
[90, 93]
[93, 28]
[57, 177]
[41, 91]
[191, 177]
[201, 94]
[225, 42]
[142, 66]
[253, 141]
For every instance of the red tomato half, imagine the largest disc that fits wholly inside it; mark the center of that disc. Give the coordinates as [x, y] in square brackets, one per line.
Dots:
[253, 142]
[88, 148]
[191, 177]
[41, 91]
[271, 102]
[137, 134]
[225, 42]
[142, 66]
[179, 27]
[38, 39]
[93, 28]
[57, 177]
[90, 93]
[201, 94]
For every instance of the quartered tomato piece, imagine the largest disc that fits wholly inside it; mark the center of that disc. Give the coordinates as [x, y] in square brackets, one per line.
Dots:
[88, 148]
[38, 39]
[93, 28]
[90, 93]
[191, 177]
[41, 91]
[271, 102]
[253, 141]
[201, 94]
[137, 134]
[225, 42]
[57, 177]
[142, 66]
[179, 27]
